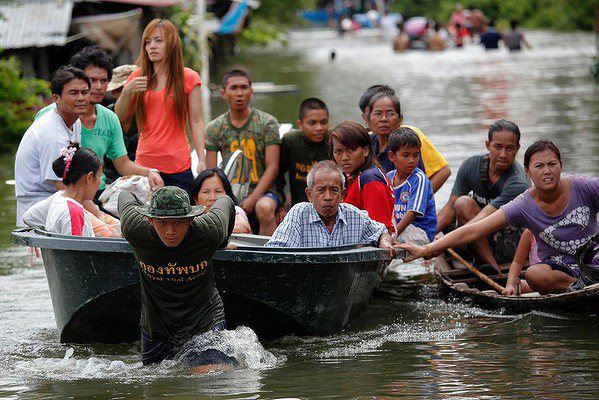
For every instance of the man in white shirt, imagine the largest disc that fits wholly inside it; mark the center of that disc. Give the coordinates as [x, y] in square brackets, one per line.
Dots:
[41, 143]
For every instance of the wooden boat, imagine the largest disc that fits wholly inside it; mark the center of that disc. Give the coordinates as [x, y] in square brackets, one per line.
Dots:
[458, 283]
[94, 286]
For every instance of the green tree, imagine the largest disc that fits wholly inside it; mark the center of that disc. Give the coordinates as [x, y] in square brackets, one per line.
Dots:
[20, 99]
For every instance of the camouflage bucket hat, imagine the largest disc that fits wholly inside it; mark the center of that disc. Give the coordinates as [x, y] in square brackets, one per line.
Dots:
[170, 202]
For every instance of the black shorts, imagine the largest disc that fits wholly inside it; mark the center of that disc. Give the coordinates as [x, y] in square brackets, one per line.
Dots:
[156, 350]
[504, 243]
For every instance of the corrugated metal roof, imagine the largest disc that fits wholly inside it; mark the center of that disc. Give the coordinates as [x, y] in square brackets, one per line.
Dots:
[35, 23]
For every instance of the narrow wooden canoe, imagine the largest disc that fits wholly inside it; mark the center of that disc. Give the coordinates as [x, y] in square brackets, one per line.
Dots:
[94, 286]
[458, 283]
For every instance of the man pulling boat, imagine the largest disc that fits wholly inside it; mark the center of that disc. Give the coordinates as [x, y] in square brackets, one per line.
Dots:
[173, 244]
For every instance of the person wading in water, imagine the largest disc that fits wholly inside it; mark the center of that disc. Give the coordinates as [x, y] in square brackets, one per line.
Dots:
[173, 244]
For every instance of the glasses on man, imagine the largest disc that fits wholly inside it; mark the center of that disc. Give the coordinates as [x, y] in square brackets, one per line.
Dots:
[389, 114]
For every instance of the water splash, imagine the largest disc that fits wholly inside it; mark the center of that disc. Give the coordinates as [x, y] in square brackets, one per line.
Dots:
[241, 343]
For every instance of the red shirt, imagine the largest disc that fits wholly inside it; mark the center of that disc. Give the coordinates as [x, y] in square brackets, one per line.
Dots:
[370, 191]
[162, 141]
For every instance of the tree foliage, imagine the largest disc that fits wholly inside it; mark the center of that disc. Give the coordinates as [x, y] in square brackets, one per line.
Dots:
[553, 14]
[20, 99]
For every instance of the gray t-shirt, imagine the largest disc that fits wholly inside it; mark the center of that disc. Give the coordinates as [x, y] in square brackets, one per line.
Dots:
[38, 149]
[469, 182]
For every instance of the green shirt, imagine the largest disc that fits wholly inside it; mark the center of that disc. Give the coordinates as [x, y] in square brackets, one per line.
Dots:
[178, 296]
[104, 139]
[260, 130]
[298, 155]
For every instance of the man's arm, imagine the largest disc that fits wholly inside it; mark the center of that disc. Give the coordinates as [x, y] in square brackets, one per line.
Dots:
[447, 214]
[288, 233]
[386, 242]
[134, 226]
[486, 211]
[439, 178]
[407, 219]
[267, 179]
[211, 158]
[217, 224]
[196, 125]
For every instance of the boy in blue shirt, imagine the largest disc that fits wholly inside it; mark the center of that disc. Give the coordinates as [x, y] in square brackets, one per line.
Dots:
[414, 215]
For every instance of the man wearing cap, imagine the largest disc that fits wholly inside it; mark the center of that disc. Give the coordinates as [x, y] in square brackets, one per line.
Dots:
[173, 244]
[130, 134]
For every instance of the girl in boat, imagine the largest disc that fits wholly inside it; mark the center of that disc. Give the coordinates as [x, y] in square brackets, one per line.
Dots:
[367, 187]
[561, 213]
[71, 211]
[208, 186]
[164, 96]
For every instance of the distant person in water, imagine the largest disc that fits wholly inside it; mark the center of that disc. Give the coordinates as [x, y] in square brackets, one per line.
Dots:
[561, 213]
[401, 42]
[173, 243]
[490, 37]
[325, 221]
[515, 37]
[71, 211]
[304, 147]
[436, 41]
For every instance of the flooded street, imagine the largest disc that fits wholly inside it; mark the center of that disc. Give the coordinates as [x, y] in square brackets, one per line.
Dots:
[408, 343]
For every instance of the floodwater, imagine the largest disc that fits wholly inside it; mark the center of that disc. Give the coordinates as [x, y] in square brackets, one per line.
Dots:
[408, 343]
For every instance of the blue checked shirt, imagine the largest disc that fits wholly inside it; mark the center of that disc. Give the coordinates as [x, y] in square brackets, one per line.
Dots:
[302, 227]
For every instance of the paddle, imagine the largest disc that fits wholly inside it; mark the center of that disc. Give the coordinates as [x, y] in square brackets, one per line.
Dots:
[476, 272]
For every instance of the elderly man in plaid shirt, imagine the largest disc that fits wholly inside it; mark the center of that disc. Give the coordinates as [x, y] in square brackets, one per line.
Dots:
[325, 221]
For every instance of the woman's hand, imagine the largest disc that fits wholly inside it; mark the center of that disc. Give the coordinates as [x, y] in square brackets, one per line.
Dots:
[136, 85]
[155, 180]
[511, 287]
[413, 250]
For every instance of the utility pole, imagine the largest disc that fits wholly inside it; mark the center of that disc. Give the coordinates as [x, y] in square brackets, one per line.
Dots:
[204, 59]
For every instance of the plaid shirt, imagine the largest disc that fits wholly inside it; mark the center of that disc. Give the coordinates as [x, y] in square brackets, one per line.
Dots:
[302, 227]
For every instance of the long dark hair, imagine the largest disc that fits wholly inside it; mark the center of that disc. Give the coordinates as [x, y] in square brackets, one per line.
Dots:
[208, 173]
[352, 136]
[84, 160]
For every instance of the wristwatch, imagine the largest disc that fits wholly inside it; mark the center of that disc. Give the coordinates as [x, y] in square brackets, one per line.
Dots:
[154, 170]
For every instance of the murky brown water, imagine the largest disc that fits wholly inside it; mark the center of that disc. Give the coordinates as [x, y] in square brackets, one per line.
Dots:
[408, 343]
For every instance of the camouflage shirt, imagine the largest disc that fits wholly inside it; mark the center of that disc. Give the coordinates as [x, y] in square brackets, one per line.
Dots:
[260, 130]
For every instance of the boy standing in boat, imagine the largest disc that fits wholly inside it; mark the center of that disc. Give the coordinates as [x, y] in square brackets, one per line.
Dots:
[484, 183]
[302, 148]
[256, 133]
[173, 244]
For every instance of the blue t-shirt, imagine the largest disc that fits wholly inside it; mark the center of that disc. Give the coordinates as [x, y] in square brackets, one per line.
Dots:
[415, 194]
[490, 39]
